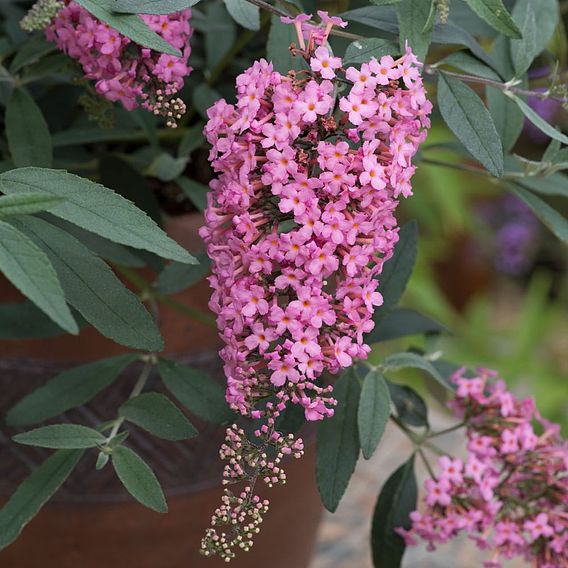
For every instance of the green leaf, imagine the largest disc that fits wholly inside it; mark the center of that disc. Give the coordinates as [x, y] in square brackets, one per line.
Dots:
[397, 271]
[167, 168]
[401, 322]
[158, 415]
[496, 15]
[204, 97]
[338, 443]
[198, 392]
[119, 175]
[410, 407]
[138, 479]
[90, 135]
[374, 412]
[35, 47]
[470, 64]
[556, 222]
[467, 117]
[538, 121]
[244, 13]
[23, 320]
[68, 390]
[28, 136]
[546, 14]
[361, 50]
[396, 501]
[30, 270]
[409, 359]
[152, 6]
[280, 37]
[130, 25]
[26, 203]
[523, 51]
[104, 248]
[220, 34]
[191, 140]
[556, 184]
[413, 16]
[507, 117]
[197, 192]
[384, 2]
[102, 460]
[96, 208]
[34, 492]
[61, 437]
[93, 289]
[177, 277]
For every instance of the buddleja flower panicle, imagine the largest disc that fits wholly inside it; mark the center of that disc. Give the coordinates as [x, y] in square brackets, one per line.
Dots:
[123, 70]
[300, 221]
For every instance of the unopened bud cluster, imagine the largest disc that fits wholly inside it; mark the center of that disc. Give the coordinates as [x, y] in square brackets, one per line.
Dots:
[41, 14]
[238, 518]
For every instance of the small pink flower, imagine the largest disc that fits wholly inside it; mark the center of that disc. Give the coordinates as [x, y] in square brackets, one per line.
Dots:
[324, 64]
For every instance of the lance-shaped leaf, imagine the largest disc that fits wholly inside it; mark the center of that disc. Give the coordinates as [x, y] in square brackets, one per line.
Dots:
[374, 412]
[177, 276]
[410, 406]
[397, 271]
[507, 117]
[28, 136]
[158, 415]
[396, 501]
[152, 6]
[554, 220]
[69, 389]
[538, 121]
[61, 437]
[546, 14]
[413, 16]
[523, 51]
[26, 203]
[361, 50]
[198, 392]
[338, 443]
[467, 117]
[30, 270]
[496, 15]
[277, 47]
[409, 359]
[95, 208]
[402, 322]
[244, 13]
[138, 479]
[130, 25]
[34, 492]
[93, 289]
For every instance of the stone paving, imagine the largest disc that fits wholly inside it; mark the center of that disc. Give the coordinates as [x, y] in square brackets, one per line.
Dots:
[344, 536]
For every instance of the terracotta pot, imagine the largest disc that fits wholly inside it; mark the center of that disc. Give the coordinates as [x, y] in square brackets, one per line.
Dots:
[92, 521]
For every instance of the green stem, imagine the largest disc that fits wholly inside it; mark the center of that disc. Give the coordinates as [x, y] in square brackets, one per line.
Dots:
[136, 390]
[148, 293]
[508, 87]
[446, 431]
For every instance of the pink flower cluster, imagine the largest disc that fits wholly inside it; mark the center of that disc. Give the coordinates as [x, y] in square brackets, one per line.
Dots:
[511, 494]
[125, 71]
[300, 219]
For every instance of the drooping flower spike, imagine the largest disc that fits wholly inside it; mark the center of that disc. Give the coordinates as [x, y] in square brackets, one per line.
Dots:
[299, 224]
[122, 70]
